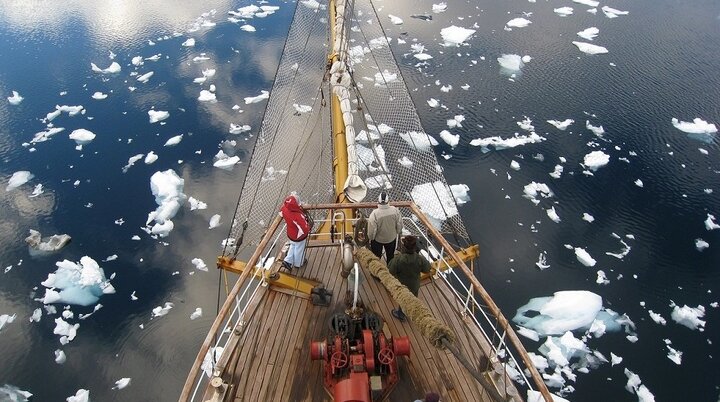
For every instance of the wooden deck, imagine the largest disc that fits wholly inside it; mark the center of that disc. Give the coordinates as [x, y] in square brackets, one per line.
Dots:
[272, 360]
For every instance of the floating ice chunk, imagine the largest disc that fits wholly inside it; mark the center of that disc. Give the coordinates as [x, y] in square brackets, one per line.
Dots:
[439, 8]
[190, 42]
[526, 124]
[528, 333]
[137, 61]
[601, 278]
[6, 319]
[112, 69]
[15, 99]
[82, 136]
[43, 136]
[589, 48]
[122, 383]
[11, 393]
[562, 125]
[553, 215]
[689, 316]
[311, 4]
[99, 96]
[455, 36]
[207, 96]
[456, 121]
[145, 77]
[673, 354]
[595, 160]
[60, 357]
[644, 394]
[446, 88]
[584, 257]
[65, 330]
[710, 223]
[599, 130]
[612, 12]
[565, 311]
[215, 221]
[255, 99]
[657, 317]
[623, 252]
[40, 246]
[158, 115]
[432, 102]
[701, 244]
[542, 262]
[615, 359]
[36, 315]
[555, 174]
[154, 57]
[512, 62]
[70, 110]
[131, 162]
[405, 162]
[384, 78]
[435, 199]
[395, 20]
[196, 314]
[698, 126]
[422, 56]
[633, 382]
[173, 140]
[518, 23]
[588, 218]
[151, 158]
[533, 190]
[82, 395]
[196, 204]
[420, 141]
[449, 138]
[639, 183]
[460, 193]
[589, 33]
[535, 396]
[591, 3]
[223, 161]
[80, 283]
[512, 142]
[514, 165]
[167, 188]
[160, 311]
[199, 264]
[18, 179]
[248, 28]
[563, 11]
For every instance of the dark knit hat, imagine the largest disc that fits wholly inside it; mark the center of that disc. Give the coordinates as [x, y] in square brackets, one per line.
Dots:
[409, 243]
[383, 198]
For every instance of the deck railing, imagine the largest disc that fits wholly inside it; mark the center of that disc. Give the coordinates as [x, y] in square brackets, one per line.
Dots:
[474, 303]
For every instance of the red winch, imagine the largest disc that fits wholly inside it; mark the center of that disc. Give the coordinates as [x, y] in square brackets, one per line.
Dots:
[359, 362]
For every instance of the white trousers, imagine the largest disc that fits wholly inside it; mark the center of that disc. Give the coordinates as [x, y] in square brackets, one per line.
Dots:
[296, 253]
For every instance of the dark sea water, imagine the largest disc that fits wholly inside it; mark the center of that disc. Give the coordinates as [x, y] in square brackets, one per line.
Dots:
[665, 63]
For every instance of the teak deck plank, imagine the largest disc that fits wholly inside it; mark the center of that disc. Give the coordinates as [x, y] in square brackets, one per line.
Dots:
[272, 359]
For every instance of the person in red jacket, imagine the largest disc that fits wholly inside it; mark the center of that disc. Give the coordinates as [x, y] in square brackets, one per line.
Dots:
[298, 230]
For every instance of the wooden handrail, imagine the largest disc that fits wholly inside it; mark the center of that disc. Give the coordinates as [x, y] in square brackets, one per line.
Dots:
[220, 318]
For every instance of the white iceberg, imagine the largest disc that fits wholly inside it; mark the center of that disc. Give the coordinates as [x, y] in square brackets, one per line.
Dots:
[6, 319]
[239, 128]
[701, 244]
[40, 246]
[173, 140]
[199, 264]
[79, 283]
[131, 162]
[460, 192]
[533, 190]
[167, 187]
[518, 23]
[112, 69]
[420, 141]
[597, 130]
[18, 179]
[502, 143]
[82, 136]
[215, 221]
[190, 42]
[395, 19]
[563, 11]
[196, 314]
[561, 125]
[255, 99]
[591, 3]
[60, 357]
[122, 383]
[589, 48]
[435, 200]
[612, 12]
[455, 36]
[584, 257]
[15, 99]
[710, 223]
[82, 395]
[160, 311]
[439, 8]
[698, 126]
[689, 316]
[206, 96]
[151, 158]
[145, 77]
[589, 33]
[595, 160]
[223, 161]
[552, 214]
[158, 115]
[449, 138]
[511, 62]
[565, 311]
[99, 96]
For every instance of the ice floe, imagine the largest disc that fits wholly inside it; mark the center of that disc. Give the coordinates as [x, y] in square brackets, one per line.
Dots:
[589, 48]
[82, 136]
[122, 383]
[11, 393]
[612, 12]
[710, 223]
[6, 319]
[46, 135]
[190, 42]
[595, 160]
[689, 317]
[697, 126]
[167, 187]
[634, 386]
[552, 214]
[657, 317]
[173, 140]
[395, 19]
[564, 311]
[518, 23]
[435, 200]
[502, 143]
[555, 174]
[701, 244]
[456, 121]
[18, 179]
[673, 354]
[255, 99]
[199, 264]
[591, 3]
[112, 69]
[514, 165]
[420, 141]
[207, 96]
[131, 162]
[533, 190]
[60, 357]
[145, 77]
[82, 395]
[450, 139]
[40, 246]
[561, 125]
[99, 96]
[15, 99]
[588, 218]
[455, 36]
[78, 283]
[584, 257]
[597, 130]
[542, 262]
[215, 221]
[161, 311]
[196, 314]
[563, 11]
[158, 115]
[511, 62]
[589, 33]
[224, 161]
[439, 8]
[622, 253]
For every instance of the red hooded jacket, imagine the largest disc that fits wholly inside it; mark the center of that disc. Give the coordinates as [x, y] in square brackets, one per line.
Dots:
[297, 226]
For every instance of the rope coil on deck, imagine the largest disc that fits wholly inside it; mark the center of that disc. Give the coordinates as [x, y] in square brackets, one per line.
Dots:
[419, 313]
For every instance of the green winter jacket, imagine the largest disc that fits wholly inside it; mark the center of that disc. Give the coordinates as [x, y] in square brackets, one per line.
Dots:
[407, 268]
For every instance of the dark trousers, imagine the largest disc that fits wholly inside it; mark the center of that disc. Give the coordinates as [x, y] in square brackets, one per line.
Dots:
[377, 249]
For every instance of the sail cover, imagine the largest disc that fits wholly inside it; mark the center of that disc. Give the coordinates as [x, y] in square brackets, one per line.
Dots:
[294, 150]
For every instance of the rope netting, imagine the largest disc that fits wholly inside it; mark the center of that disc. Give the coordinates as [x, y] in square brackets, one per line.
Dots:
[294, 150]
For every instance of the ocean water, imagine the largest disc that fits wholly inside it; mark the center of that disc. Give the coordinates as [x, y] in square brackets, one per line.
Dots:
[661, 64]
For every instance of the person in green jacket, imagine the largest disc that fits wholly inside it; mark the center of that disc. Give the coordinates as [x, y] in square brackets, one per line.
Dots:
[407, 267]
